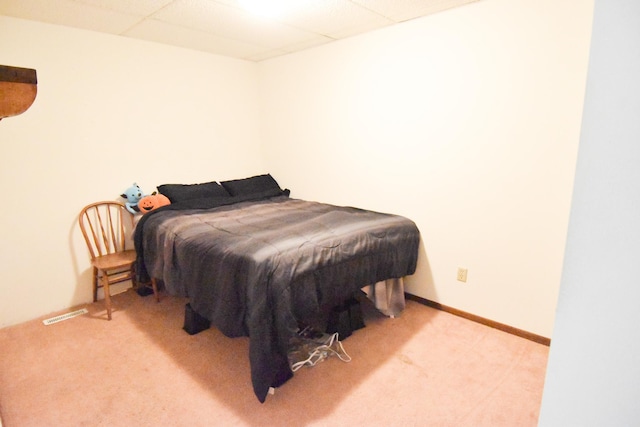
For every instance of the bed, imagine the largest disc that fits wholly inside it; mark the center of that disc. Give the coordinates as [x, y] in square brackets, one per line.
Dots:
[254, 261]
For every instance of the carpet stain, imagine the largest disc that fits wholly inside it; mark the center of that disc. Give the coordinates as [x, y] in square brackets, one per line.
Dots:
[406, 359]
[409, 361]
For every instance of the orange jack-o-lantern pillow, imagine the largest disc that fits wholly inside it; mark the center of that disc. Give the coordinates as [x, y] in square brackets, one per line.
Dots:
[154, 201]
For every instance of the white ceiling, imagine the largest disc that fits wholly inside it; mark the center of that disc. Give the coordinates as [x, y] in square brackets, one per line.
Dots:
[223, 26]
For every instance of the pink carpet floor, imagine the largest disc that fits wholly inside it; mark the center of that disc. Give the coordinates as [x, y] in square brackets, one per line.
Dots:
[424, 368]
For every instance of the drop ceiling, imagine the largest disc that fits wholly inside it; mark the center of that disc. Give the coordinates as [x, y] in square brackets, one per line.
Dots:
[222, 26]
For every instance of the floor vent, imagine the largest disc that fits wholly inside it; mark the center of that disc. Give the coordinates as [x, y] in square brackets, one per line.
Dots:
[65, 316]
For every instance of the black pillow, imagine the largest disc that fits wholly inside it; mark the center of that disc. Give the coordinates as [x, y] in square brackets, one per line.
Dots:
[181, 192]
[253, 185]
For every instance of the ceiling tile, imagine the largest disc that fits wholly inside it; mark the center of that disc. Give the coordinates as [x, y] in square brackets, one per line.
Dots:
[234, 23]
[306, 45]
[69, 13]
[402, 10]
[141, 8]
[266, 55]
[162, 32]
[331, 17]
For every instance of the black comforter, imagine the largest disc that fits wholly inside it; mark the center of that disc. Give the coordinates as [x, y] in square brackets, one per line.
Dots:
[254, 266]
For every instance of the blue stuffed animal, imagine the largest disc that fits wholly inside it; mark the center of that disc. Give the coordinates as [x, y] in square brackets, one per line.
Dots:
[133, 195]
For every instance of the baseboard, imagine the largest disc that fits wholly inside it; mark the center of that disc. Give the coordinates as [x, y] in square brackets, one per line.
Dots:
[500, 326]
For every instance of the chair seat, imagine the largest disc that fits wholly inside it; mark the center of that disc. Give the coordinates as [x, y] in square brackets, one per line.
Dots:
[116, 260]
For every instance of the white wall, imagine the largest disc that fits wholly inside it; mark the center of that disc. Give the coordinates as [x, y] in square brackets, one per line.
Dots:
[109, 111]
[467, 122]
[593, 371]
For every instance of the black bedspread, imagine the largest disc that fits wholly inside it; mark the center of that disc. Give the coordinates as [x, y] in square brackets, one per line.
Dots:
[253, 267]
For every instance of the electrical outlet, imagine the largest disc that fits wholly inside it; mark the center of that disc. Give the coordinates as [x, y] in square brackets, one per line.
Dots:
[462, 274]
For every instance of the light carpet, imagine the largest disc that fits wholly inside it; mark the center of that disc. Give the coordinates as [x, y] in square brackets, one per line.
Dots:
[423, 368]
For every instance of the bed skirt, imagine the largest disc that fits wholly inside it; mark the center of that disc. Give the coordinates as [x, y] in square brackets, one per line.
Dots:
[387, 296]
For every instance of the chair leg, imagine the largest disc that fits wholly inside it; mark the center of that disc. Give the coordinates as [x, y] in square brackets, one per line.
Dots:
[95, 284]
[134, 276]
[154, 285]
[107, 294]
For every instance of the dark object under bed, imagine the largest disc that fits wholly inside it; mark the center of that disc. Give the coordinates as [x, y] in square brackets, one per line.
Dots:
[254, 262]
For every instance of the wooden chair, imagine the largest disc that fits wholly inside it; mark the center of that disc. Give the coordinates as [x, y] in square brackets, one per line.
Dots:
[103, 226]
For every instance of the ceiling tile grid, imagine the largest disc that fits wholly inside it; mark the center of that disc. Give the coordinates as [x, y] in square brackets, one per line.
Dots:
[404, 10]
[69, 13]
[231, 22]
[224, 27]
[332, 17]
[165, 33]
